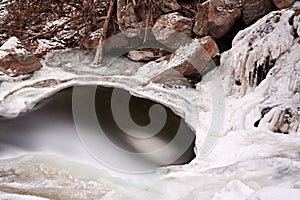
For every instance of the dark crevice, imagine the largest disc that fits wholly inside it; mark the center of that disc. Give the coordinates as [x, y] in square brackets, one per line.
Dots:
[261, 71]
[294, 32]
[225, 43]
[263, 113]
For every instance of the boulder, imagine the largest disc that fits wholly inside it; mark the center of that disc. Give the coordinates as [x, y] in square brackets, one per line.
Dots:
[173, 30]
[188, 64]
[15, 60]
[222, 15]
[168, 5]
[255, 9]
[216, 17]
[283, 3]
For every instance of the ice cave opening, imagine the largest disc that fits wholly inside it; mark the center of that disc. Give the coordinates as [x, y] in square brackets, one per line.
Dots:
[50, 128]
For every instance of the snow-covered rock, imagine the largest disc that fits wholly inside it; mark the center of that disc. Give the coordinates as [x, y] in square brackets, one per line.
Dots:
[12, 45]
[188, 64]
[257, 64]
[254, 52]
[15, 60]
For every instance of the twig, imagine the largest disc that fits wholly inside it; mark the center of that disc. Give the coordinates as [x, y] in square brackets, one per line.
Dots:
[99, 54]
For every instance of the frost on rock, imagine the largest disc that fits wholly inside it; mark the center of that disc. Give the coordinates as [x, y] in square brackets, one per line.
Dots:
[265, 61]
[255, 51]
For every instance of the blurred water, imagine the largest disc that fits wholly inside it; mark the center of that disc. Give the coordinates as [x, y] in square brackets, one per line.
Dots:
[49, 128]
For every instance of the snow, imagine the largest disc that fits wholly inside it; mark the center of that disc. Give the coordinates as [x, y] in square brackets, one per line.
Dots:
[8, 196]
[276, 193]
[3, 12]
[14, 45]
[234, 190]
[45, 44]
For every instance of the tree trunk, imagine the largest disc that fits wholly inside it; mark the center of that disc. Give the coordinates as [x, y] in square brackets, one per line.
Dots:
[104, 35]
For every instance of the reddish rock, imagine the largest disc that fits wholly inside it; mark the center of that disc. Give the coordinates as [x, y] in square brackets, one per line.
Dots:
[187, 65]
[168, 5]
[283, 3]
[171, 30]
[222, 16]
[15, 60]
[19, 64]
[201, 19]
[255, 9]
[216, 17]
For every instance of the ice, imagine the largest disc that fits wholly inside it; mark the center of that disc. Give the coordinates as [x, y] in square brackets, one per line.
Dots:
[19, 197]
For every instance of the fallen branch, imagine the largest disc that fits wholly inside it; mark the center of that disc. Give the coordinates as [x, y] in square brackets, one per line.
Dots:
[104, 35]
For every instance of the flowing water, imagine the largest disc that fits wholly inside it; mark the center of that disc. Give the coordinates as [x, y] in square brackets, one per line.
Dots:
[50, 128]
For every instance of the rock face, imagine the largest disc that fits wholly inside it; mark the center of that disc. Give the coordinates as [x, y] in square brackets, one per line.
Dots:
[283, 3]
[257, 63]
[254, 9]
[221, 17]
[188, 64]
[15, 60]
[172, 29]
[253, 61]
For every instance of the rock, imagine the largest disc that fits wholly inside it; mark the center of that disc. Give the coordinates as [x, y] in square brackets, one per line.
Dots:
[168, 5]
[257, 52]
[264, 60]
[201, 19]
[141, 14]
[15, 60]
[125, 15]
[188, 9]
[255, 9]
[188, 64]
[283, 3]
[145, 55]
[173, 30]
[216, 17]
[221, 17]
